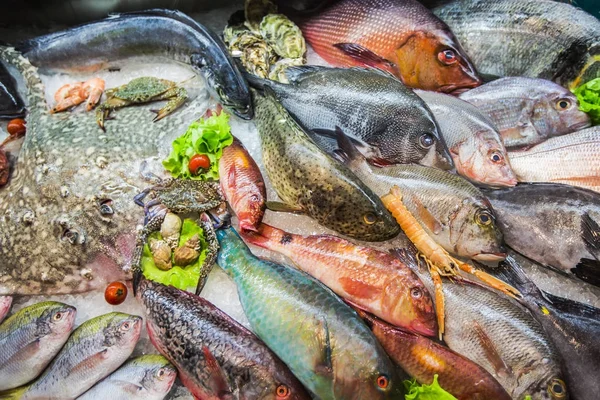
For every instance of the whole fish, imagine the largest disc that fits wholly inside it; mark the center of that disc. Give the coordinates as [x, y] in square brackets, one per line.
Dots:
[94, 350]
[423, 358]
[573, 159]
[171, 34]
[555, 225]
[5, 303]
[311, 181]
[319, 337]
[451, 210]
[400, 36]
[473, 140]
[11, 104]
[217, 358]
[527, 111]
[497, 334]
[243, 185]
[389, 123]
[148, 377]
[371, 279]
[573, 327]
[30, 338]
[532, 38]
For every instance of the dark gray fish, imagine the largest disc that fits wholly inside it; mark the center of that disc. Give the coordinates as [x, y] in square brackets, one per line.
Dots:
[157, 32]
[386, 120]
[11, 104]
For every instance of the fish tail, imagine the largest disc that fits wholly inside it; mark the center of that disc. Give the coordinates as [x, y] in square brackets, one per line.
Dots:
[13, 394]
[511, 272]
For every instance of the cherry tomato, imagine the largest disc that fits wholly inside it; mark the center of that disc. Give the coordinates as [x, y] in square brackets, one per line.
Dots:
[199, 161]
[16, 127]
[115, 293]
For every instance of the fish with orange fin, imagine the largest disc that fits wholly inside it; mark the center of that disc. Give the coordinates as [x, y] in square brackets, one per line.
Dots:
[371, 279]
[399, 36]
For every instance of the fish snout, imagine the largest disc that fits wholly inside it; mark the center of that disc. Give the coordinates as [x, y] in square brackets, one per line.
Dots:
[426, 328]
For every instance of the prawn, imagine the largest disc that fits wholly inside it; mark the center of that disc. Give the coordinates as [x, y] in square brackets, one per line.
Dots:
[73, 94]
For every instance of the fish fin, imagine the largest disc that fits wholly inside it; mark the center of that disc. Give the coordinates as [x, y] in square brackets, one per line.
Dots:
[567, 306]
[13, 394]
[588, 270]
[491, 353]
[295, 74]
[218, 377]
[353, 145]
[347, 145]
[324, 366]
[379, 71]
[278, 206]
[511, 272]
[259, 83]
[591, 234]
[358, 289]
[363, 55]
[90, 363]
[426, 217]
[408, 256]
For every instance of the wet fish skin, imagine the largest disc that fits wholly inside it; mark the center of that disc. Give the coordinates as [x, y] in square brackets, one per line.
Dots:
[473, 140]
[320, 338]
[402, 37]
[573, 159]
[388, 121]
[147, 377]
[5, 303]
[527, 111]
[30, 338]
[308, 179]
[370, 279]
[11, 104]
[152, 32]
[530, 38]
[217, 358]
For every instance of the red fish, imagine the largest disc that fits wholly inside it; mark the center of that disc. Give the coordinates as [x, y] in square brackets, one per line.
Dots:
[399, 36]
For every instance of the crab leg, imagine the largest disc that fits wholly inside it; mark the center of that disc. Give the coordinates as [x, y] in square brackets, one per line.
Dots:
[211, 254]
[176, 97]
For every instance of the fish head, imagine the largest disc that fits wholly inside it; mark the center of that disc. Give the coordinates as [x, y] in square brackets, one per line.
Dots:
[160, 375]
[377, 379]
[548, 386]
[274, 384]
[122, 331]
[60, 319]
[364, 217]
[558, 112]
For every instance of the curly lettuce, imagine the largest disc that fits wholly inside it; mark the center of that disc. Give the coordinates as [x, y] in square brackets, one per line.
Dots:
[588, 95]
[415, 391]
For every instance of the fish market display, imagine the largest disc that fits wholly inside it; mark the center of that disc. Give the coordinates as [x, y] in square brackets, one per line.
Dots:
[321, 339]
[94, 350]
[216, 357]
[394, 125]
[573, 159]
[5, 303]
[556, 225]
[402, 37]
[11, 104]
[528, 111]
[369, 278]
[283, 35]
[532, 38]
[473, 141]
[165, 33]
[147, 377]
[309, 180]
[30, 338]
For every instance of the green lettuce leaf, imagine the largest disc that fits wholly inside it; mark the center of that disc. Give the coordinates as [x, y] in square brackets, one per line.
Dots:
[588, 95]
[426, 392]
[180, 277]
[206, 136]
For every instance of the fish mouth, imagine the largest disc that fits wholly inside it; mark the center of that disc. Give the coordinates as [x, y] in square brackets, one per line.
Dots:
[424, 328]
[490, 256]
[581, 125]
[244, 112]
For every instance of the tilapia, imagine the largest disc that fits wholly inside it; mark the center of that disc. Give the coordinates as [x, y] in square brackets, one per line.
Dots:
[389, 123]
[311, 181]
[369, 278]
[532, 38]
[171, 34]
[573, 327]
[472, 139]
[527, 111]
[5, 303]
[555, 225]
[497, 334]
[400, 36]
[573, 159]
[451, 210]
[148, 377]
[217, 358]
[11, 104]
[29, 340]
[94, 350]
[321, 339]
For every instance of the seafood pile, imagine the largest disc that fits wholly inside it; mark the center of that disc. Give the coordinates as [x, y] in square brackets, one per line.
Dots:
[417, 216]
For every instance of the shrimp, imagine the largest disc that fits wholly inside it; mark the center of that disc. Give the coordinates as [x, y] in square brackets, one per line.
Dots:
[73, 94]
[439, 262]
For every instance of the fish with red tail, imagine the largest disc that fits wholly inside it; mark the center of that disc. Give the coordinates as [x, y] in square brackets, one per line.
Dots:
[371, 279]
[399, 36]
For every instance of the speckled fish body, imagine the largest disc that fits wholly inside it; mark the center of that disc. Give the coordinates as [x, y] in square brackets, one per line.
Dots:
[423, 358]
[369, 278]
[537, 39]
[94, 350]
[148, 377]
[5, 303]
[321, 339]
[390, 124]
[498, 335]
[573, 159]
[527, 111]
[157, 32]
[217, 358]
[308, 179]
[30, 338]
[472, 139]
[401, 36]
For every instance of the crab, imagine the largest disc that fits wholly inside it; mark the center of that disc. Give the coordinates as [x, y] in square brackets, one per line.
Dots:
[73, 94]
[181, 196]
[139, 91]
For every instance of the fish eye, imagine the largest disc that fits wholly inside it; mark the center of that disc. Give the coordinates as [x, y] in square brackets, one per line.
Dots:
[496, 157]
[370, 218]
[447, 56]
[70, 236]
[483, 218]
[160, 374]
[125, 326]
[416, 293]
[58, 316]
[557, 389]
[563, 104]
[426, 140]
[282, 391]
[383, 381]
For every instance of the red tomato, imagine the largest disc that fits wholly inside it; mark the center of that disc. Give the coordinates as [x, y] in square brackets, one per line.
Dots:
[115, 293]
[16, 127]
[199, 161]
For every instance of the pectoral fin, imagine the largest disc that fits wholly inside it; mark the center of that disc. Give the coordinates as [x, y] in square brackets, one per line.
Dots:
[278, 206]
[218, 380]
[491, 353]
[426, 217]
[591, 234]
[364, 55]
[323, 365]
